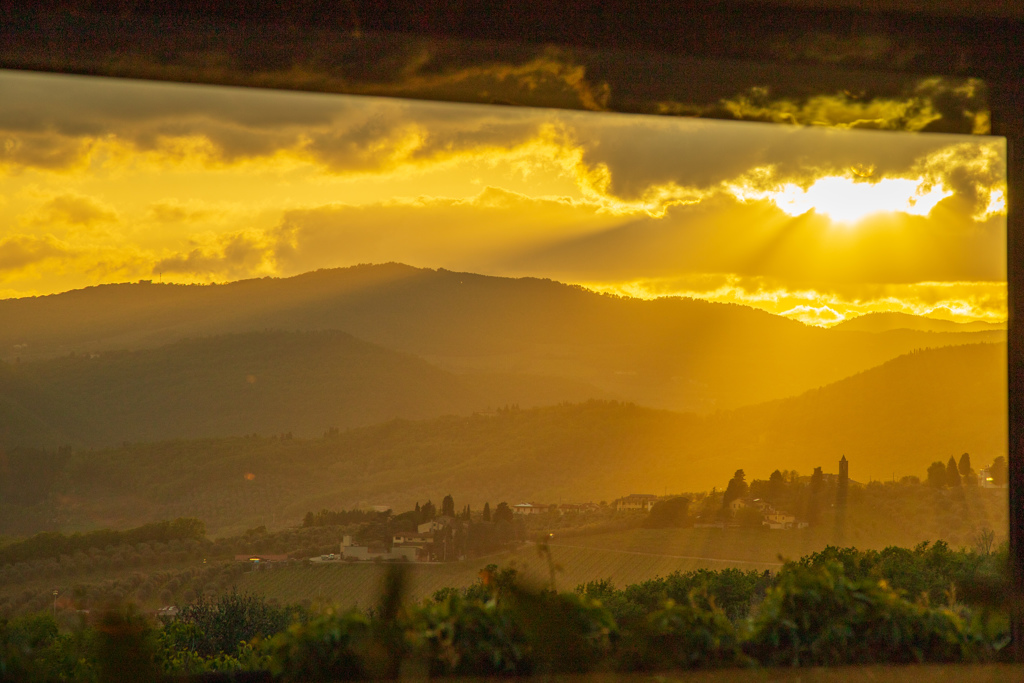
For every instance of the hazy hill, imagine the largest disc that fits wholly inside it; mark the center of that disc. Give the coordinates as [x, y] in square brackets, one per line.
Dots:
[894, 419]
[265, 382]
[672, 353]
[884, 322]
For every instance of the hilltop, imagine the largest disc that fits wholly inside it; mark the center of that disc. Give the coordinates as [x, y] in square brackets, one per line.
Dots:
[672, 353]
[884, 322]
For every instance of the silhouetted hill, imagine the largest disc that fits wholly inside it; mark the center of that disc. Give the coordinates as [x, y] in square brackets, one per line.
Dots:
[884, 322]
[266, 382]
[894, 419]
[680, 354]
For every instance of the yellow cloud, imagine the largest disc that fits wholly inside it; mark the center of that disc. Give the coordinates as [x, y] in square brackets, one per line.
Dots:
[957, 301]
[72, 210]
[242, 254]
[172, 211]
[20, 251]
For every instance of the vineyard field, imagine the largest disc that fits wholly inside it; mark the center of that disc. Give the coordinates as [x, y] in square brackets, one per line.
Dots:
[624, 557]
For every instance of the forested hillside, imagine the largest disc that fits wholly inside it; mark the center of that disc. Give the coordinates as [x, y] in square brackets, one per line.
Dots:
[678, 354]
[883, 322]
[894, 420]
[267, 383]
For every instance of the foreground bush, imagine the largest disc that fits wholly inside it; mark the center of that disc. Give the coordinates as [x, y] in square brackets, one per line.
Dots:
[683, 636]
[816, 615]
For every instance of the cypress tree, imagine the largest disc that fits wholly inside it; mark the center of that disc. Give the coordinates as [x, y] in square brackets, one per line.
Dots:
[952, 473]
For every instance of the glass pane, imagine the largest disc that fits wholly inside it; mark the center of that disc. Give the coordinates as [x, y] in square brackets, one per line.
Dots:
[661, 343]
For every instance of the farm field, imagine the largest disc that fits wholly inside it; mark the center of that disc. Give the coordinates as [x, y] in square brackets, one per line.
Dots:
[625, 557]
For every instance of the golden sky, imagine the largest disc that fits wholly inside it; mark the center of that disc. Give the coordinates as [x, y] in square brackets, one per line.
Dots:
[104, 180]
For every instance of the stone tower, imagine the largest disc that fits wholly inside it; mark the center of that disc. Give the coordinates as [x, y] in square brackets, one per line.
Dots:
[843, 483]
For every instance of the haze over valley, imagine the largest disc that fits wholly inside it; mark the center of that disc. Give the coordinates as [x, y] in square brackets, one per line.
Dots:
[521, 389]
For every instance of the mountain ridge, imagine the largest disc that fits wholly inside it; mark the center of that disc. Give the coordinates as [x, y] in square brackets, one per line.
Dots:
[679, 354]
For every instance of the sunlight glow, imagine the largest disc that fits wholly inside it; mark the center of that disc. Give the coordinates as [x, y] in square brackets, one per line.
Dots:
[846, 200]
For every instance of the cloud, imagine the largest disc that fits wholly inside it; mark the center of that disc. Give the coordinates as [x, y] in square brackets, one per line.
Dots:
[821, 316]
[474, 233]
[974, 173]
[171, 211]
[73, 210]
[20, 251]
[826, 305]
[928, 104]
[243, 254]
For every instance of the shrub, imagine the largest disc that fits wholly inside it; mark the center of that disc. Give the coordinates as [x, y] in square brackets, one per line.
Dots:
[468, 637]
[683, 636]
[819, 616]
[331, 647]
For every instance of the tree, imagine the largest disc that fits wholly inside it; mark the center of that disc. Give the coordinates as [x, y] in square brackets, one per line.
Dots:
[970, 477]
[952, 473]
[487, 512]
[503, 513]
[999, 471]
[814, 502]
[668, 513]
[736, 489]
[448, 506]
[776, 487]
[428, 511]
[937, 475]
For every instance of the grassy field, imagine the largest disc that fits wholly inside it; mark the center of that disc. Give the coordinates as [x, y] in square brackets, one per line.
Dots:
[625, 557]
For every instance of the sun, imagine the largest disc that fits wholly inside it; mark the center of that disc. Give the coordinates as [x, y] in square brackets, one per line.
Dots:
[848, 200]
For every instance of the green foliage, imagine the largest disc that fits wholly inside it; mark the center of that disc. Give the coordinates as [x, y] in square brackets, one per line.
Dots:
[816, 615]
[329, 647]
[210, 627]
[732, 590]
[668, 513]
[54, 544]
[337, 518]
[33, 649]
[125, 647]
[567, 632]
[684, 636]
[468, 637]
[931, 570]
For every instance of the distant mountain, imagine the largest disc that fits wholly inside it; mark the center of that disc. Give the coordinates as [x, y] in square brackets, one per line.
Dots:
[884, 322]
[892, 420]
[679, 354]
[265, 382]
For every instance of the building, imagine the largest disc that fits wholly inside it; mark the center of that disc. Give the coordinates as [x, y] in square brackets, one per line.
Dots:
[529, 509]
[779, 520]
[431, 526]
[636, 502]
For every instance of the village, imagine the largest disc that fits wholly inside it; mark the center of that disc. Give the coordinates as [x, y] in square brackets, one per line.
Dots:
[785, 502]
